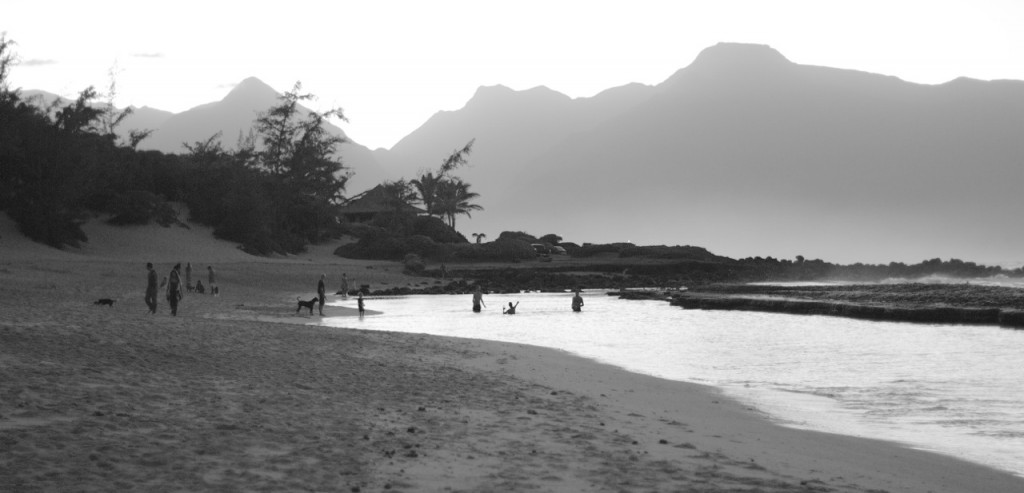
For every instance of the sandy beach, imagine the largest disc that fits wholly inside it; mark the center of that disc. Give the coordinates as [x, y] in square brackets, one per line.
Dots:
[237, 393]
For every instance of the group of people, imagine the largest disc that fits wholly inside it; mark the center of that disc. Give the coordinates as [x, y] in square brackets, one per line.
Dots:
[321, 293]
[174, 292]
[172, 282]
[478, 303]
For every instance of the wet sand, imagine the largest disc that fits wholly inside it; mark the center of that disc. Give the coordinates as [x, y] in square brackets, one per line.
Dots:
[237, 394]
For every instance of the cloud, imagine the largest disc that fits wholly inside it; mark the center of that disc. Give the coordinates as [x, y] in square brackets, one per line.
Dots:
[148, 55]
[35, 62]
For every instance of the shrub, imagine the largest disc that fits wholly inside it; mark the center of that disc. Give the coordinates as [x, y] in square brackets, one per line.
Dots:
[517, 235]
[413, 264]
[551, 239]
[141, 207]
[590, 249]
[436, 229]
[424, 246]
[667, 252]
[514, 250]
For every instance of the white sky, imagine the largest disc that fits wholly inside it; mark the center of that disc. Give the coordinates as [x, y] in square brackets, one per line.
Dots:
[392, 64]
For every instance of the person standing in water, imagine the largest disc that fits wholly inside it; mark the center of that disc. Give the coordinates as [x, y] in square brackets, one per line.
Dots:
[151, 288]
[577, 302]
[478, 300]
[362, 308]
[321, 292]
[511, 308]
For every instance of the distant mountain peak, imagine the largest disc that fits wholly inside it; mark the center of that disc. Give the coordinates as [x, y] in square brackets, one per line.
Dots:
[251, 88]
[489, 96]
[497, 90]
[250, 83]
[733, 56]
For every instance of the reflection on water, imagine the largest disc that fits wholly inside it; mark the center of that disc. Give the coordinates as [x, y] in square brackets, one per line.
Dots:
[953, 389]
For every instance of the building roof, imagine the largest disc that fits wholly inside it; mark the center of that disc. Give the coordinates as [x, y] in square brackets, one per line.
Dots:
[374, 200]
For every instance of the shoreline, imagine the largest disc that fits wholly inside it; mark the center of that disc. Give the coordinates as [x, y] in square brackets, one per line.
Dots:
[679, 345]
[101, 398]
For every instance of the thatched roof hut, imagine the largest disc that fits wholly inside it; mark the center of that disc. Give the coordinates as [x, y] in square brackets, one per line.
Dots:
[367, 205]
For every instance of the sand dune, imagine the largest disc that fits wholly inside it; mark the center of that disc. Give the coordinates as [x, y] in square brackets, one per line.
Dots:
[236, 394]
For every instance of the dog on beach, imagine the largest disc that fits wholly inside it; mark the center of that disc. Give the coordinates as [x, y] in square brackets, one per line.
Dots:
[104, 301]
[306, 304]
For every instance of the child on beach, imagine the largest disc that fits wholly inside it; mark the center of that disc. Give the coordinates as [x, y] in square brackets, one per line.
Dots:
[360, 302]
[511, 308]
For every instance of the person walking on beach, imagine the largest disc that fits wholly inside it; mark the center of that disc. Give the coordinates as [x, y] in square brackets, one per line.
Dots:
[321, 292]
[362, 308]
[577, 302]
[151, 288]
[188, 276]
[478, 300]
[344, 287]
[212, 284]
[511, 308]
[174, 288]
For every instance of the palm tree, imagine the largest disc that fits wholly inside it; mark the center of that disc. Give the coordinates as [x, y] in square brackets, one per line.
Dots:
[479, 237]
[453, 198]
[426, 185]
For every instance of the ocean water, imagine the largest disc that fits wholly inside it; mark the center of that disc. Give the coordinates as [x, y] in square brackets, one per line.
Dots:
[952, 389]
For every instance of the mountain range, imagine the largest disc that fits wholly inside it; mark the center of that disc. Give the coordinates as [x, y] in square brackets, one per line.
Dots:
[749, 154]
[742, 152]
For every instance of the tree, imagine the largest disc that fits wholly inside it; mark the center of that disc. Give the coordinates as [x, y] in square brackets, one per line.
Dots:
[6, 62]
[552, 239]
[301, 155]
[457, 158]
[280, 189]
[453, 199]
[110, 118]
[299, 148]
[428, 184]
[479, 237]
[49, 165]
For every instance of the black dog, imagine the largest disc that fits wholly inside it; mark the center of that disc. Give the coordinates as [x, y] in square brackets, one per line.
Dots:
[307, 304]
[104, 301]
